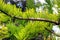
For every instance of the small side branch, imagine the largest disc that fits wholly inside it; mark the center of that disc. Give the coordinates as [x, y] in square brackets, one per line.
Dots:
[52, 32]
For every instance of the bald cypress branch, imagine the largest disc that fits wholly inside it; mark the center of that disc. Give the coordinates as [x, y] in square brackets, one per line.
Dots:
[33, 19]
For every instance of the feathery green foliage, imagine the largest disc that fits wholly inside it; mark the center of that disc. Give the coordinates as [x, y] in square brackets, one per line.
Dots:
[22, 29]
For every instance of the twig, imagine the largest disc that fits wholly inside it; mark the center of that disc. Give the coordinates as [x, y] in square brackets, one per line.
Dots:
[52, 32]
